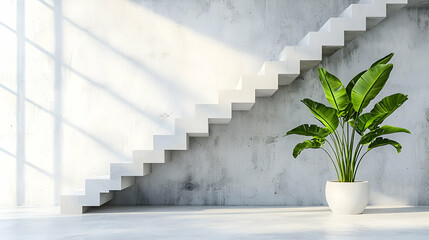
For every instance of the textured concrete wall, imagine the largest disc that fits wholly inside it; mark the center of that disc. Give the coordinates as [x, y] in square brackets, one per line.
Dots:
[83, 83]
[249, 162]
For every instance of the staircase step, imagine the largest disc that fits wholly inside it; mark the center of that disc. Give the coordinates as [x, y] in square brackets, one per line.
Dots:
[264, 85]
[302, 53]
[106, 183]
[73, 203]
[179, 141]
[344, 24]
[150, 156]
[129, 169]
[275, 67]
[104, 198]
[241, 99]
[215, 113]
[99, 183]
[395, 5]
[96, 199]
[196, 127]
[285, 71]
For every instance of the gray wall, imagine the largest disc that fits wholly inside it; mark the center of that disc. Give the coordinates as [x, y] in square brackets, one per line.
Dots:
[84, 83]
[248, 162]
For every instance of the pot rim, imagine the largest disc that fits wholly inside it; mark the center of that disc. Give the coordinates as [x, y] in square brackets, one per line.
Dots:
[355, 182]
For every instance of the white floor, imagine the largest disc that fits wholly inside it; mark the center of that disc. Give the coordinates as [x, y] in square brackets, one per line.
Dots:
[166, 222]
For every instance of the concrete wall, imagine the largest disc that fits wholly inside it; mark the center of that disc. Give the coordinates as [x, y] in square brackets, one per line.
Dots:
[83, 83]
[249, 162]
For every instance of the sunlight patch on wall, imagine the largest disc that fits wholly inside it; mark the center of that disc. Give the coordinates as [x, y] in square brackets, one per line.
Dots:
[8, 76]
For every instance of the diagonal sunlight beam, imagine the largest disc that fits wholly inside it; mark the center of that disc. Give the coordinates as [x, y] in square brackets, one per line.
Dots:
[118, 97]
[167, 83]
[27, 163]
[80, 130]
[7, 152]
[58, 101]
[20, 103]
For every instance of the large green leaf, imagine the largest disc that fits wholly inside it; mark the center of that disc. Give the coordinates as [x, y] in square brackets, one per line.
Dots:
[383, 109]
[383, 60]
[352, 122]
[379, 142]
[384, 130]
[310, 130]
[360, 124]
[369, 85]
[334, 90]
[313, 143]
[365, 120]
[349, 113]
[326, 115]
[352, 83]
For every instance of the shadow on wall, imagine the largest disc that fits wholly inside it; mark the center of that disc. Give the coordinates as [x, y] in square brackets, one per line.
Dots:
[21, 100]
[89, 88]
[258, 20]
[54, 173]
[66, 68]
[240, 163]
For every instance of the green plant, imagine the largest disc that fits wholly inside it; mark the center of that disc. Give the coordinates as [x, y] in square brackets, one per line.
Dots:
[345, 118]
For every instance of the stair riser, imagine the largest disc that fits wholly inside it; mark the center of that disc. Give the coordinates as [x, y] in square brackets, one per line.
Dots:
[377, 10]
[264, 85]
[72, 204]
[194, 127]
[171, 142]
[286, 79]
[97, 199]
[126, 169]
[265, 92]
[283, 68]
[242, 106]
[215, 113]
[301, 53]
[150, 156]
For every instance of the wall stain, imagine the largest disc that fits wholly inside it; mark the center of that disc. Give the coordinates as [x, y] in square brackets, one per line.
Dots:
[422, 19]
[427, 114]
[165, 115]
[189, 184]
[271, 139]
[216, 141]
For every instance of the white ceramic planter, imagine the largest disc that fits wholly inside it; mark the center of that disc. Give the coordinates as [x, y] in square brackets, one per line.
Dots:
[347, 197]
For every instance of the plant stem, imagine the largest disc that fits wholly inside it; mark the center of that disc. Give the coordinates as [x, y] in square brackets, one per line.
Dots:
[335, 153]
[353, 150]
[346, 152]
[337, 150]
[332, 160]
[359, 164]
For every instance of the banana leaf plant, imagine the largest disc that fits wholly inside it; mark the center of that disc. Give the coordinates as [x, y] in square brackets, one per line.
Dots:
[348, 134]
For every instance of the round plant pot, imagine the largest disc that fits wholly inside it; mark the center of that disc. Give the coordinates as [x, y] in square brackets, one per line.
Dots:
[347, 197]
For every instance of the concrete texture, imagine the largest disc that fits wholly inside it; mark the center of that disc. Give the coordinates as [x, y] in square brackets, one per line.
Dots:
[215, 223]
[248, 162]
[83, 83]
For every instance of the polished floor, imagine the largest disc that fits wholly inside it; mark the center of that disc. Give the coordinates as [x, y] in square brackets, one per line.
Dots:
[168, 222]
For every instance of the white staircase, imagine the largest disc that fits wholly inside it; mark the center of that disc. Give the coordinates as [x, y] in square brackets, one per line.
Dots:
[355, 20]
